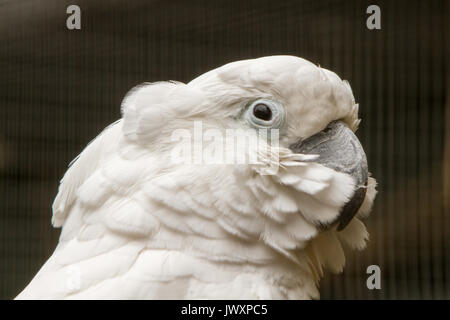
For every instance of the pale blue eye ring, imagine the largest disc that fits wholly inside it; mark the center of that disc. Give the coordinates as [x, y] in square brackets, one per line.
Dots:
[273, 117]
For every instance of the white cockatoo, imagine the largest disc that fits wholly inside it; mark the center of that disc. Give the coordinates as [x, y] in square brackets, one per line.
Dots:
[139, 223]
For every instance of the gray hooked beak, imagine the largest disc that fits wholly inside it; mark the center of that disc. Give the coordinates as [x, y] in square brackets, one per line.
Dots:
[339, 149]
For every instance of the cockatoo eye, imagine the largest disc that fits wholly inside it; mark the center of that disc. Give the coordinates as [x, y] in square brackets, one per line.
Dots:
[265, 113]
[262, 111]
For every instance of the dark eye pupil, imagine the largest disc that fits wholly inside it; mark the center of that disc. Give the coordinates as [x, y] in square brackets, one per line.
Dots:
[263, 112]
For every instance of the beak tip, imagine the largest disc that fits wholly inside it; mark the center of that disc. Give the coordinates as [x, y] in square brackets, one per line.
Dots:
[351, 208]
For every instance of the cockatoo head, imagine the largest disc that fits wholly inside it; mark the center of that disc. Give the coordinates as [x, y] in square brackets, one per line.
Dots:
[305, 208]
[313, 110]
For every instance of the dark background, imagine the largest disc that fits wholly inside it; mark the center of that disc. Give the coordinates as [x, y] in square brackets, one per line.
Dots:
[60, 88]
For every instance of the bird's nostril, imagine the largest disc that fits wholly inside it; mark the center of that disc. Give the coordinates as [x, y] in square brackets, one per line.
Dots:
[327, 129]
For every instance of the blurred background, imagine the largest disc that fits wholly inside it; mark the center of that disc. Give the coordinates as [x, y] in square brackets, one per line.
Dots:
[60, 88]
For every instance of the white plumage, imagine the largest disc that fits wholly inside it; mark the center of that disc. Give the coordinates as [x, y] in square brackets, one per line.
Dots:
[135, 225]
